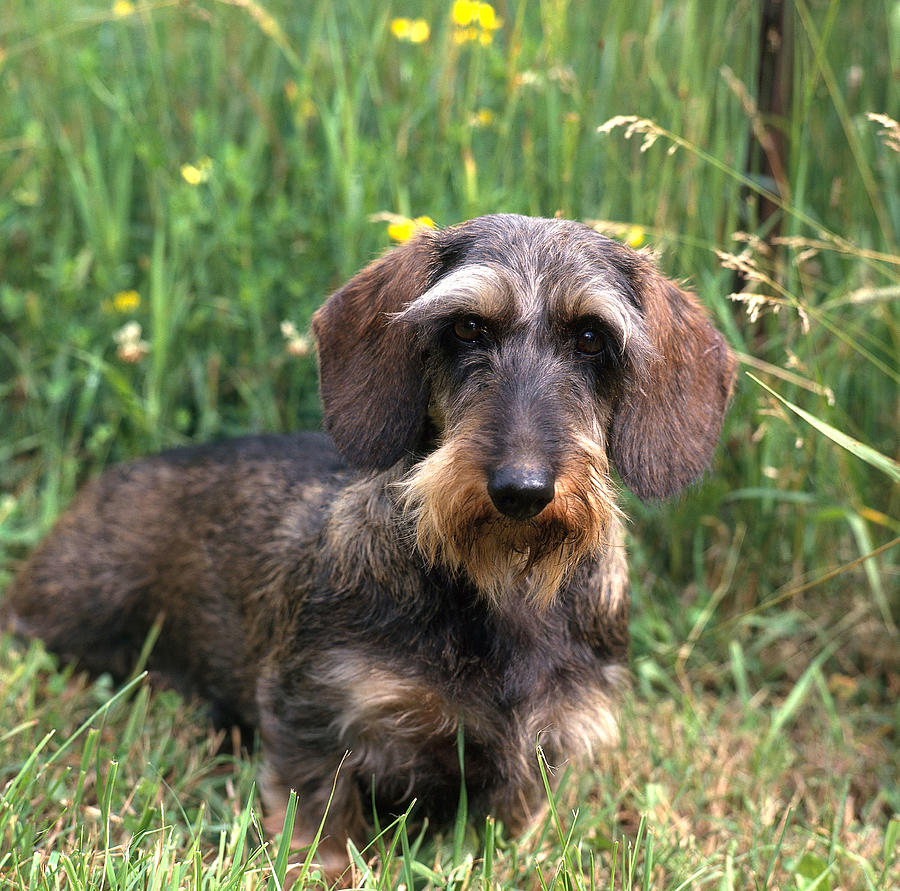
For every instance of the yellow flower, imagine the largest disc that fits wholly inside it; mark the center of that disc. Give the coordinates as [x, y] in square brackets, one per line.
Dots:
[193, 174]
[122, 9]
[464, 12]
[419, 31]
[126, 301]
[484, 117]
[403, 228]
[414, 31]
[635, 236]
[487, 18]
[474, 21]
[400, 28]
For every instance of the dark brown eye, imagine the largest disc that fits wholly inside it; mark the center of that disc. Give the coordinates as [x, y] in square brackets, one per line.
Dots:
[469, 329]
[589, 341]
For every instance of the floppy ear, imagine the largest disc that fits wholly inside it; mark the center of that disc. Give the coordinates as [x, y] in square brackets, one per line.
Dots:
[374, 397]
[667, 424]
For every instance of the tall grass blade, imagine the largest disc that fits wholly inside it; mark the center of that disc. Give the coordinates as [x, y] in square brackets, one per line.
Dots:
[279, 869]
[859, 449]
[798, 693]
[462, 809]
[487, 861]
[777, 848]
[889, 846]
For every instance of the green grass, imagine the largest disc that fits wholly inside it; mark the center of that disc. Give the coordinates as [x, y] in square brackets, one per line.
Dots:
[760, 745]
[705, 790]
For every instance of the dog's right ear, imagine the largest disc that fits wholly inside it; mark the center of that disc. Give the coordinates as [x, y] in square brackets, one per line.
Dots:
[665, 429]
[374, 396]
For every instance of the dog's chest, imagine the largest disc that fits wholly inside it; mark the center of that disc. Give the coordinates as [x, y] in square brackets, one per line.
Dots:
[499, 687]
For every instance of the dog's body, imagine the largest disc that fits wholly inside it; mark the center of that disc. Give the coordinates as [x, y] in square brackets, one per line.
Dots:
[455, 564]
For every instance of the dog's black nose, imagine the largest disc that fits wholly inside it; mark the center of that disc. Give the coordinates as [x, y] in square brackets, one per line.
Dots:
[519, 492]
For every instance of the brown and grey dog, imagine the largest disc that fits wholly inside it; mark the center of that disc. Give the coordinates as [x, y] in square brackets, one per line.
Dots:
[451, 558]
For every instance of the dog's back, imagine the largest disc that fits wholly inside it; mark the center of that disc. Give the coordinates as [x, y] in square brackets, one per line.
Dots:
[180, 538]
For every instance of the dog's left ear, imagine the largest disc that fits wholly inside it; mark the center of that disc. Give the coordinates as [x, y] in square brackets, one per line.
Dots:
[374, 396]
[667, 424]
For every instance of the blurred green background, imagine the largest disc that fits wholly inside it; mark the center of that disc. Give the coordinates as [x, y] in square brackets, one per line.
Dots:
[210, 170]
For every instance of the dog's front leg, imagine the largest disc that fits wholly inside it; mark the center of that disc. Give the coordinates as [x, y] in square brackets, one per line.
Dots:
[302, 753]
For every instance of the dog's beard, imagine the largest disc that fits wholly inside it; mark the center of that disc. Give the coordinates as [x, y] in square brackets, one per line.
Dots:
[454, 523]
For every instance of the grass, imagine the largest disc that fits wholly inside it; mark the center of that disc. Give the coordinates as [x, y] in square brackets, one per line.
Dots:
[232, 162]
[705, 790]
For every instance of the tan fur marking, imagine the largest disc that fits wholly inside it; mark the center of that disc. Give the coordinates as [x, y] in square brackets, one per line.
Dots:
[456, 524]
[382, 702]
[595, 297]
[578, 728]
[478, 289]
[490, 292]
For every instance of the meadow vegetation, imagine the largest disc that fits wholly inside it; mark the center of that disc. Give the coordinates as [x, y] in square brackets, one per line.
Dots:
[181, 183]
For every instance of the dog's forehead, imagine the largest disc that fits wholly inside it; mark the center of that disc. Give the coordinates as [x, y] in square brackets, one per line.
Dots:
[528, 270]
[535, 248]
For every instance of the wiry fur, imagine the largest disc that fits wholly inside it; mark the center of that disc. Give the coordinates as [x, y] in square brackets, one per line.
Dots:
[452, 562]
[456, 525]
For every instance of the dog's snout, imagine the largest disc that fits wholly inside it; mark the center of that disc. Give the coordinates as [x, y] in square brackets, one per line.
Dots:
[521, 493]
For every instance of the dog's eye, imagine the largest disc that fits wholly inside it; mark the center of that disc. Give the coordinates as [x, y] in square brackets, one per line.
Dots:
[589, 341]
[468, 330]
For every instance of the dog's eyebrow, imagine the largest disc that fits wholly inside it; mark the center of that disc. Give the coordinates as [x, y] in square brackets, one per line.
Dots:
[478, 289]
[496, 293]
[597, 297]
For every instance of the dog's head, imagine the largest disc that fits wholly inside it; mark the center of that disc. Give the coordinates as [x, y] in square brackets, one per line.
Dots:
[506, 360]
